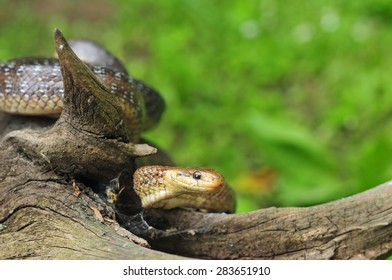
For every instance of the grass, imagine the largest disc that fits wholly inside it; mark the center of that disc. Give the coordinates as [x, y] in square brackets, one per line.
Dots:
[291, 101]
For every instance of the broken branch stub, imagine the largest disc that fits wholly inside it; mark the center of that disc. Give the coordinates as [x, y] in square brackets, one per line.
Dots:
[88, 105]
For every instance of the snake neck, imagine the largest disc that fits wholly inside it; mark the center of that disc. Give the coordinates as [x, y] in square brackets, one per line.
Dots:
[149, 185]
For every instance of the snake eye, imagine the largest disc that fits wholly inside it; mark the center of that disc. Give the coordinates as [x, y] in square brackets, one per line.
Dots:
[196, 175]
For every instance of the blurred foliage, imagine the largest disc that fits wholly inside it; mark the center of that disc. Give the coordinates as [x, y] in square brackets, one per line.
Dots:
[290, 100]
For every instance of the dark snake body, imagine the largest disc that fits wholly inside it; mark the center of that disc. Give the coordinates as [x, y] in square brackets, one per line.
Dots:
[34, 86]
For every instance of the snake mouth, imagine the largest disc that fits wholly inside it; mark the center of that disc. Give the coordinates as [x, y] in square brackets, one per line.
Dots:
[158, 199]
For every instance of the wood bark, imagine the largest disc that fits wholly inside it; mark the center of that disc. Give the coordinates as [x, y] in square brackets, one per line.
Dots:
[51, 206]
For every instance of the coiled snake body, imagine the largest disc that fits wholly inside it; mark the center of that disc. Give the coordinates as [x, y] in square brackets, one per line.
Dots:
[34, 86]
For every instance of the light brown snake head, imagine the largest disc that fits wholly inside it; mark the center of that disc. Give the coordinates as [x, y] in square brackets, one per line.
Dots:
[170, 187]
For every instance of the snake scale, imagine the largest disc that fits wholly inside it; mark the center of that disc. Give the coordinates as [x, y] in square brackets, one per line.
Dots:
[34, 86]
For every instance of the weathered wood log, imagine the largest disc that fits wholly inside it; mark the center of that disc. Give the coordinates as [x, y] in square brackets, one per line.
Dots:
[49, 208]
[357, 227]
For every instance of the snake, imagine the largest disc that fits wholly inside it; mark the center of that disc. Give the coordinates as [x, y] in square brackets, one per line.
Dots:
[34, 87]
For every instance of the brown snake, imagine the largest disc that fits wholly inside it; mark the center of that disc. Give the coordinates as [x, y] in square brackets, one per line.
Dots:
[35, 87]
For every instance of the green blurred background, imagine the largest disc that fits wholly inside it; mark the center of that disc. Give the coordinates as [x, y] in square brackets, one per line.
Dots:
[290, 100]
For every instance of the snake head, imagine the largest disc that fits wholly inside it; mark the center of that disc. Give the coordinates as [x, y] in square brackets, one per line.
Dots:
[195, 179]
[170, 187]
